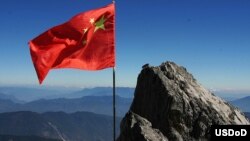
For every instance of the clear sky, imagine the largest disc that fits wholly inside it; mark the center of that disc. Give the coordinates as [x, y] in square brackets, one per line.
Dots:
[211, 38]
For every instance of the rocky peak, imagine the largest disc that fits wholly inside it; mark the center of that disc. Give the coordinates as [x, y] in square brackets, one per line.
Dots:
[169, 104]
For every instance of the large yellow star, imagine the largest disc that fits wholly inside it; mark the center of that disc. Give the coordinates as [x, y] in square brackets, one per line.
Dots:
[100, 24]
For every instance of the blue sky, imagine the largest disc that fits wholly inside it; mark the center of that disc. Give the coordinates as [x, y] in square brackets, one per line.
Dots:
[211, 38]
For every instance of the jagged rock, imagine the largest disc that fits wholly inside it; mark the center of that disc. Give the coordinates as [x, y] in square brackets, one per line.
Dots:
[137, 128]
[170, 105]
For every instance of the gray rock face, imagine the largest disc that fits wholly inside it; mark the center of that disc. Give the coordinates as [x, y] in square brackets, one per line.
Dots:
[139, 129]
[169, 104]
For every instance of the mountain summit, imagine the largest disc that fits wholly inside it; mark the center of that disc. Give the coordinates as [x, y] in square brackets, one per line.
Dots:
[169, 104]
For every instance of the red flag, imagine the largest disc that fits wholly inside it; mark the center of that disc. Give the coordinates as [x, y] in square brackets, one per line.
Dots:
[85, 42]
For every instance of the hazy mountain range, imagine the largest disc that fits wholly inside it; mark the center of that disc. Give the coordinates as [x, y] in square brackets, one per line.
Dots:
[97, 100]
[79, 126]
[231, 95]
[45, 121]
[242, 103]
[95, 104]
[125, 92]
[17, 124]
[23, 94]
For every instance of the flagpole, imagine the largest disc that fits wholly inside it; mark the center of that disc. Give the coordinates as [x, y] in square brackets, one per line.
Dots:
[114, 113]
[114, 102]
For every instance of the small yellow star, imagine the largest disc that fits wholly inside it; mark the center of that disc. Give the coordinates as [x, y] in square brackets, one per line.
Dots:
[85, 30]
[92, 20]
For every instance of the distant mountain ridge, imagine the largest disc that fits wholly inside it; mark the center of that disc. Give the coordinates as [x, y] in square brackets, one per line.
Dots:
[231, 95]
[30, 94]
[125, 92]
[95, 104]
[242, 103]
[58, 125]
[9, 97]
[27, 94]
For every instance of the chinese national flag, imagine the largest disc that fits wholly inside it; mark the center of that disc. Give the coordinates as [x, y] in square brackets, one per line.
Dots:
[85, 42]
